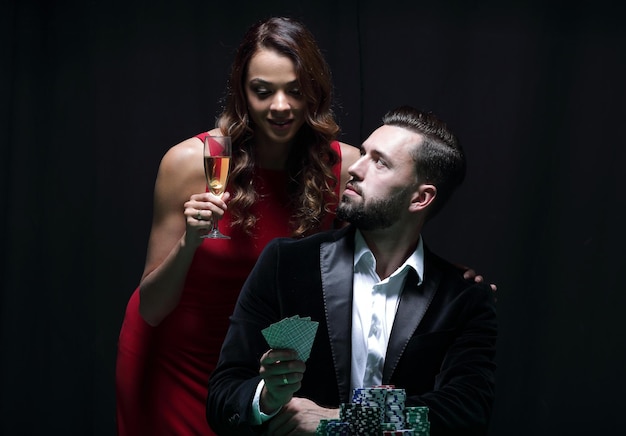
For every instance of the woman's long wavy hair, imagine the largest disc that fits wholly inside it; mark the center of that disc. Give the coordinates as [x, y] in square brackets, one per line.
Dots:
[309, 164]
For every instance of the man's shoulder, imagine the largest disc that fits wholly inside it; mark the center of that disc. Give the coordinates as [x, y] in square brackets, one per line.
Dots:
[312, 240]
[449, 276]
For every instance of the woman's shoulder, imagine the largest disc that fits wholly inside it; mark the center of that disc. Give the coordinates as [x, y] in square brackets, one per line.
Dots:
[186, 155]
[349, 153]
[213, 132]
[182, 160]
[183, 151]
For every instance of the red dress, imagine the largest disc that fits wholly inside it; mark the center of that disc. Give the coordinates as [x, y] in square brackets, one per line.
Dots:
[162, 372]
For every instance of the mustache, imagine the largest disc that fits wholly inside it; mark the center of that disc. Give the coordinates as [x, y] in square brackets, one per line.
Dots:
[354, 186]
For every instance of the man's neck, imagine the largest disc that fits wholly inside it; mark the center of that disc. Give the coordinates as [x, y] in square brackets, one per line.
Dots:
[390, 250]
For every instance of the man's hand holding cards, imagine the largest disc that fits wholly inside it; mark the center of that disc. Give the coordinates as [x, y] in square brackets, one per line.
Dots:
[293, 333]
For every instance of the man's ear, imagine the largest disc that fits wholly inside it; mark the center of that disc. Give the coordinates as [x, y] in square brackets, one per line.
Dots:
[423, 197]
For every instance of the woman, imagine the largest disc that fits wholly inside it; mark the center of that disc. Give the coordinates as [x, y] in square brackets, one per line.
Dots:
[286, 172]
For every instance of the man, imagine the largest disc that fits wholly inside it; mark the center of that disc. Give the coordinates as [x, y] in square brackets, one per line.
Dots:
[389, 310]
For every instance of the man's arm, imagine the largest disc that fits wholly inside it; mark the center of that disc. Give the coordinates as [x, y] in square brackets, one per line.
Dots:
[270, 294]
[464, 389]
[282, 374]
[233, 383]
[300, 416]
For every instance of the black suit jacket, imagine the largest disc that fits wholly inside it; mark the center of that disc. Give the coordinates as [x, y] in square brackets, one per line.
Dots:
[441, 348]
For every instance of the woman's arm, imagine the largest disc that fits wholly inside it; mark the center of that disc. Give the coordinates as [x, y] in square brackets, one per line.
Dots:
[179, 194]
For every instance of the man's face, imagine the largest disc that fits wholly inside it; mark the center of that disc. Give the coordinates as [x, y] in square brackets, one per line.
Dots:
[383, 180]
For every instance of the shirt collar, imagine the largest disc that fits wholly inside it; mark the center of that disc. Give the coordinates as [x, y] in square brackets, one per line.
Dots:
[415, 260]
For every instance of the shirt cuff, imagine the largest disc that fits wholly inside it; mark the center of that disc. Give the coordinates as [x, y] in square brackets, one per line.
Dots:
[259, 416]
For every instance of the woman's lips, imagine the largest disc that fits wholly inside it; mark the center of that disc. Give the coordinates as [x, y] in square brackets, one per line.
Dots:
[281, 124]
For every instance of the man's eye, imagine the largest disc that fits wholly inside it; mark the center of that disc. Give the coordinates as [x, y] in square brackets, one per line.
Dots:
[380, 162]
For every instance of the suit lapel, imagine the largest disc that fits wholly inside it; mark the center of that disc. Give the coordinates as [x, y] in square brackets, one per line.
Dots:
[336, 264]
[413, 304]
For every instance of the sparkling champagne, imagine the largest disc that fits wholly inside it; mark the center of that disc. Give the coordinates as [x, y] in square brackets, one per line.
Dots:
[216, 171]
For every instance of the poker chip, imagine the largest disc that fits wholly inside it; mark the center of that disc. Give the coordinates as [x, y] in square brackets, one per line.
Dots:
[332, 427]
[416, 418]
[323, 426]
[377, 410]
[362, 419]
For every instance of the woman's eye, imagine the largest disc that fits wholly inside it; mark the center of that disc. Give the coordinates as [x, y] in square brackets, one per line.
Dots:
[262, 92]
[296, 92]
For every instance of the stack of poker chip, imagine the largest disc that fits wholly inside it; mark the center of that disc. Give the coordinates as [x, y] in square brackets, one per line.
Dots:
[375, 411]
[389, 399]
[394, 407]
[416, 418]
[332, 427]
[372, 397]
[362, 419]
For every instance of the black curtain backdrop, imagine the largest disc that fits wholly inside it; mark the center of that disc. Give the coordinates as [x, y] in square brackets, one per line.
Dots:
[94, 92]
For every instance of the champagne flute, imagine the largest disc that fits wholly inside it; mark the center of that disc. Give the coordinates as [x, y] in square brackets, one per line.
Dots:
[217, 153]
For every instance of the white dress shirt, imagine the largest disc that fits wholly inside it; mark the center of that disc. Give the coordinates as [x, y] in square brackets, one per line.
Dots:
[374, 308]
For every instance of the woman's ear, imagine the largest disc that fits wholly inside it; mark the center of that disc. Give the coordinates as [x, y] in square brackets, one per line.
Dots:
[423, 197]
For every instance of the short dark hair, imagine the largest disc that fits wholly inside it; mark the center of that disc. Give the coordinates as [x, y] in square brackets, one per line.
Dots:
[439, 159]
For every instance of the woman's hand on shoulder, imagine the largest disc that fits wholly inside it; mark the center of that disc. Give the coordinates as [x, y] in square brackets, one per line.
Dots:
[470, 274]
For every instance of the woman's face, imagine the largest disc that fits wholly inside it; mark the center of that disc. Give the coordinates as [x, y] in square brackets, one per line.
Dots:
[275, 103]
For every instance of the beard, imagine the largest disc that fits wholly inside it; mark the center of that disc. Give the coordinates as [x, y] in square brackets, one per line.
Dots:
[375, 214]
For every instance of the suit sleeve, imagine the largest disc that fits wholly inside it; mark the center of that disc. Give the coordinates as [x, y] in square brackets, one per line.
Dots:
[461, 399]
[233, 383]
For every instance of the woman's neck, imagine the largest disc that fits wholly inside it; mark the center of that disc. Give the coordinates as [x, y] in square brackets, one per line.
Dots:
[271, 156]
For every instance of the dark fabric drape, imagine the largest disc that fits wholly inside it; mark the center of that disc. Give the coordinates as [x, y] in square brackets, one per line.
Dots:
[93, 93]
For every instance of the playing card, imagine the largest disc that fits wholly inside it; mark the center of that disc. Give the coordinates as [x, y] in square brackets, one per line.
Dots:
[293, 333]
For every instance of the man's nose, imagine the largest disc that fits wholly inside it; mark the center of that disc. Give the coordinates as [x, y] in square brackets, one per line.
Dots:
[356, 169]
